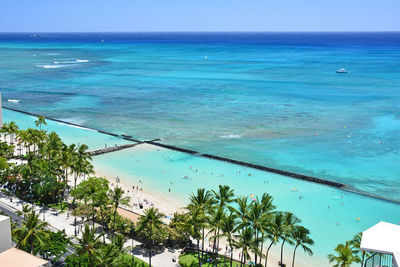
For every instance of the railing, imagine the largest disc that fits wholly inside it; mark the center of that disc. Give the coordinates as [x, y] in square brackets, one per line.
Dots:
[379, 260]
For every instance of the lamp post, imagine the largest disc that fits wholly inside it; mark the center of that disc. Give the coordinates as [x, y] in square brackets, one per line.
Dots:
[132, 233]
[73, 203]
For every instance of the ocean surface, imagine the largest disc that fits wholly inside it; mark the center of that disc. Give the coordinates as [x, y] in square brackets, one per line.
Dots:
[273, 99]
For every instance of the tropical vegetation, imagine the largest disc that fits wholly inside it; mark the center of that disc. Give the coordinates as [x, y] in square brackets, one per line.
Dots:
[251, 225]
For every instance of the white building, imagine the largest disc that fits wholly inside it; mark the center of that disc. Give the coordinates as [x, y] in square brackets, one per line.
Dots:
[382, 241]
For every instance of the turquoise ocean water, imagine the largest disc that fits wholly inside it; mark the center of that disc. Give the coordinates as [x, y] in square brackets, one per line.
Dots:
[270, 99]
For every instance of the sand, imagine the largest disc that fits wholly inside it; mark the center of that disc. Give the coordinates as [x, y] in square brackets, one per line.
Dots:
[168, 205]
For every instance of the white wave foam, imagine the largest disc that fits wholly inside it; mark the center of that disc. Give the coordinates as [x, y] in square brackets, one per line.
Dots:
[83, 128]
[50, 66]
[75, 126]
[82, 60]
[231, 136]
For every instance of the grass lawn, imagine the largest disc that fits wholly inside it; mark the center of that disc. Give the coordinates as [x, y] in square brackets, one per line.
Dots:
[62, 207]
[190, 259]
[138, 262]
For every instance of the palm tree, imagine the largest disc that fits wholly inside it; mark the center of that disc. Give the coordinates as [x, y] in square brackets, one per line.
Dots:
[4, 130]
[224, 195]
[31, 231]
[229, 227]
[301, 238]
[88, 244]
[111, 254]
[194, 223]
[150, 224]
[117, 199]
[24, 138]
[268, 212]
[202, 201]
[12, 129]
[345, 257]
[245, 241]
[274, 229]
[242, 209]
[67, 158]
[290, 222]
[355, 244]
[215, 220]
[256, 219]
[40, 121]
[52, 146]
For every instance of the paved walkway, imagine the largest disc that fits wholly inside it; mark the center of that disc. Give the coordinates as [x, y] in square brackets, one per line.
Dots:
[61, 221]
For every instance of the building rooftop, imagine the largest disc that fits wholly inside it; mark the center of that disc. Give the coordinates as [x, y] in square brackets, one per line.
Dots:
[19, 258]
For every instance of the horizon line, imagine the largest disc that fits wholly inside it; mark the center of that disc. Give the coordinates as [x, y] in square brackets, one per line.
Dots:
[205, 31]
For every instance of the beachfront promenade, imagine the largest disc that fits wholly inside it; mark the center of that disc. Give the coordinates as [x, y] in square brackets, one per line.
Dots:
[63, 221]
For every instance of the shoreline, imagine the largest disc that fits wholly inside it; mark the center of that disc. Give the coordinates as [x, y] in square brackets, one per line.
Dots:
[232, 161]
[170, 204]
[165, 205]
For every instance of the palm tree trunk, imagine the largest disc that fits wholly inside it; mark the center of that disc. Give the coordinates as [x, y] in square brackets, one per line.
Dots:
[90, 260]
[202, 246]
[93, 216]
[198, 251]
[255, 253]
[266, 254]
[216, 249]
[32, 247]
[231, 255]
[261, 247]
[151, 244]
[294, 255]
[115, 213]
[283, 243]
[214, 242]
[362, 260]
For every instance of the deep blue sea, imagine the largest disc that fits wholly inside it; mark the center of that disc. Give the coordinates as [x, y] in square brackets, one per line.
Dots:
[273, 99]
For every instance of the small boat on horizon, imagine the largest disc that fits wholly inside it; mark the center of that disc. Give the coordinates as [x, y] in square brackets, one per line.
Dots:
[342, 70]
[13, 100]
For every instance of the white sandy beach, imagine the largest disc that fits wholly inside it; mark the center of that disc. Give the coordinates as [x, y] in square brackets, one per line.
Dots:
[169, 204]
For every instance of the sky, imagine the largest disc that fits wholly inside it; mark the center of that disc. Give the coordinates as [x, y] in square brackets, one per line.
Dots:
[198, 15]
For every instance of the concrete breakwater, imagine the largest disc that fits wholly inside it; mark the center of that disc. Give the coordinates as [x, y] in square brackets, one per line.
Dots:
[251, 165]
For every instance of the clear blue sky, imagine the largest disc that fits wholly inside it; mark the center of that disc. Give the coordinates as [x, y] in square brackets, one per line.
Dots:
[199, 15]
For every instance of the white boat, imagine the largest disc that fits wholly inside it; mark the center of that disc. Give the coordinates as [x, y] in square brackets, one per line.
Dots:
[13, 100]
[342, 71]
